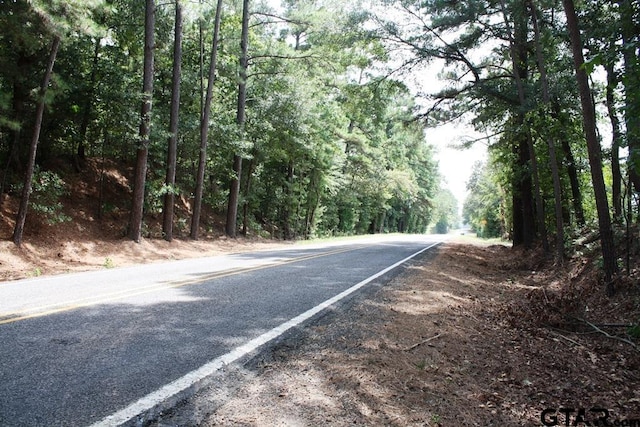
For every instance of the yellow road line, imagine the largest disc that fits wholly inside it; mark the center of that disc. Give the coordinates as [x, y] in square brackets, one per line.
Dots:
[47, 310]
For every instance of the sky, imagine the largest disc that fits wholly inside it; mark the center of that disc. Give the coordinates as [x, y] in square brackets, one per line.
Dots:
[455, 164]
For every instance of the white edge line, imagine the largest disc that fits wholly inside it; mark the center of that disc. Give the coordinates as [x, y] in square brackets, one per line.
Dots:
[153, 399]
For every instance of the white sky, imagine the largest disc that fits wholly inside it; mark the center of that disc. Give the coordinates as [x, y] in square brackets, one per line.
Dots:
[455, 164]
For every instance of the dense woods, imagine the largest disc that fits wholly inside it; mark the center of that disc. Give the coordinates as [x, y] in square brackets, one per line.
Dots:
[284, 121]
[307, 118]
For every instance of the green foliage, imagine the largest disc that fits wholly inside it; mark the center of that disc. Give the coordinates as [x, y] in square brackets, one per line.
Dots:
[421, 365]
[634, 331]
[47, 189]
[332, 144]
[156, 190]
[482, 208]
[445, 214]
[37, 272]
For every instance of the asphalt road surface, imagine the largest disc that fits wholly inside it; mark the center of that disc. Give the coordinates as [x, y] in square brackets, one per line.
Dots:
[100, 348]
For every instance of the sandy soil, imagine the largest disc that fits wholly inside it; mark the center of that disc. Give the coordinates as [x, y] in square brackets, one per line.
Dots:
[59, 255]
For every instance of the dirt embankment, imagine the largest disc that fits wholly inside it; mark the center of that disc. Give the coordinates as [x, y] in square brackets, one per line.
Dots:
[96, 204]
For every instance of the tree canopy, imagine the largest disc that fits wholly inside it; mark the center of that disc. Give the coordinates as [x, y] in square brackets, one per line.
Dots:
[329, 145]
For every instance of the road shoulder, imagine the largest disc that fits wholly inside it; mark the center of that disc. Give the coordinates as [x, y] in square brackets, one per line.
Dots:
[442, 344]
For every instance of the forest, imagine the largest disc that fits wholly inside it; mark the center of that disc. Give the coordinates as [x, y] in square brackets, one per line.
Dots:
[306, 118]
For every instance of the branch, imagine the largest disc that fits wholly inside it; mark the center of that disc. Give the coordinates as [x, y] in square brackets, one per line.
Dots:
[422, 342]
[448, 52]
[284, 57]
[558, 334]
[469, 142]
[606, 334]
[279, 19]
[267, 73]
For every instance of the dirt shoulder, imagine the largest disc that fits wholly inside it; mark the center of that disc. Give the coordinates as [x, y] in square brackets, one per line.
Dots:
[447, 343]
[68, 255]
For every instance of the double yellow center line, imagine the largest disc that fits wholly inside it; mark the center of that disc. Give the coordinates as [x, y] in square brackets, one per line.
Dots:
[46, 310]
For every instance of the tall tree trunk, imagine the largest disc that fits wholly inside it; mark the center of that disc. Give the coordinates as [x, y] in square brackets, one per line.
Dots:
[616, 188]
[201, 57]
[289, 196]
[517, 236]
[572, 171]
[247, 189]
[172, 149]
[204, 126]
[234, 191]
[313, 199]
[631, 82]
[86, 111]
[555, 173]
[526, 154]
[593, 147]
[525, 189]
[142, 152]
[234, 197]
[18, 230]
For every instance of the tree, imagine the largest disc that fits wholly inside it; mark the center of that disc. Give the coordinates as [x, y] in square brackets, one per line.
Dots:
[204, 124]
[482, 208]
[56, 19]
[446, 212]
[234, 190]
[502, 90]
[142, 152]
[616, 140]
[524, 232]
[630, 24]
[593, 146]
[553, 162]
[494, 87]
[170, 182]
[26, 189]
[604, 43]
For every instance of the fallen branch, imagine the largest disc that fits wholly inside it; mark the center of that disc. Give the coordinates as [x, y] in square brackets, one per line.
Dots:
[614, 325]
[422, 342]
[545, 296]
[558, 334]
[608, 335]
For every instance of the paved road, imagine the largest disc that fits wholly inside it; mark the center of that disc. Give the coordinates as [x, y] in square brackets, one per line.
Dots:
[100, 347]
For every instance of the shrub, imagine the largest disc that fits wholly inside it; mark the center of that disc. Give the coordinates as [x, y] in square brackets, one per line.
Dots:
[47, 189]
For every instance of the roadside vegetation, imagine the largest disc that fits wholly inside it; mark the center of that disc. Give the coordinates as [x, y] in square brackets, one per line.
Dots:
[296, 120]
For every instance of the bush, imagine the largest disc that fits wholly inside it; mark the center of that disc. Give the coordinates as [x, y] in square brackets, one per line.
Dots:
[47, 189]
